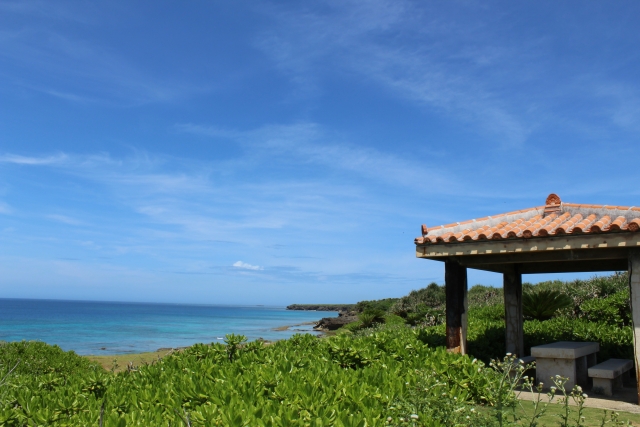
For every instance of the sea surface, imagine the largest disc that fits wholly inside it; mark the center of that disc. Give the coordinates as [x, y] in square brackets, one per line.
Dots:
[103, 328]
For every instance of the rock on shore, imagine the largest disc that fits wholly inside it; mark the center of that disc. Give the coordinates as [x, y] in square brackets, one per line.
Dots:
[333, 323]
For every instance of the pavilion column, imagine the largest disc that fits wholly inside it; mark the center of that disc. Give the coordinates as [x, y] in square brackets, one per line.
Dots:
[634, 288]
[514, 334]
[455, 277]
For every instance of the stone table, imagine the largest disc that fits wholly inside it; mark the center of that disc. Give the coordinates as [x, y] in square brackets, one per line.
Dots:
[565, 358]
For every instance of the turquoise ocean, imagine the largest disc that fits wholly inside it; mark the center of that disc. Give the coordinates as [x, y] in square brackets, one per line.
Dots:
[103, 328]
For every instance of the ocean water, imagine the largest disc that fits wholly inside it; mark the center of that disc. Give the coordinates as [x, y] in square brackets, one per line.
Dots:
[103, 328]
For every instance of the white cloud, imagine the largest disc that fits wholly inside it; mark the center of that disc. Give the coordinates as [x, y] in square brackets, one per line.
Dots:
[245, 266]
[25, 160]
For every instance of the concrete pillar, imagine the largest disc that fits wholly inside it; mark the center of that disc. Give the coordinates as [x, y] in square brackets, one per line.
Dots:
[634, 288]
[514, 334]
[455, 277]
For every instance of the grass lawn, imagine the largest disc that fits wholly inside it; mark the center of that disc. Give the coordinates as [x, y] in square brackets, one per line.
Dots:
[593, 416]
[120, 361]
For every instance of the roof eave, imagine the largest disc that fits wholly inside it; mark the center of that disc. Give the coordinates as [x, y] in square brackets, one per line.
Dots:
[565, 242]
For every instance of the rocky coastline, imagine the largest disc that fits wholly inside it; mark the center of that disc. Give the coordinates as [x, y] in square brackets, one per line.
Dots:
[346, 314]
[342, 308]
[333, 323]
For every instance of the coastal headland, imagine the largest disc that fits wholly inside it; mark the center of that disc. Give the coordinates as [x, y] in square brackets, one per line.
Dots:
[322, 307]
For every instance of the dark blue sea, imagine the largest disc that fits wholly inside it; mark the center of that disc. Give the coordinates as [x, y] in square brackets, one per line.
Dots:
[88, 327]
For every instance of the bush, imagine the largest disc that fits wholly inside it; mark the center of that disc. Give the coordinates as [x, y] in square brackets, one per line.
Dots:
[381, 304]
[543, 304]
[38, 358]
[582, 291]
[614, 309]
[371, 317]
[481, 296]
[486, 339]
[432, 296]
[615, 342]
[490, 312]
[347, 380]
[425, 315]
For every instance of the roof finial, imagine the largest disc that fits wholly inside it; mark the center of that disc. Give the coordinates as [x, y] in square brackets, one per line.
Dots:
[425, 230]
[553, 199]
[553, 203]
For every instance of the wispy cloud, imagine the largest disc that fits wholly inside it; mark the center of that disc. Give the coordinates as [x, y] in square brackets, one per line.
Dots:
[367, 39]
[246, 266]
[208, 131]
[310, 143]
[5, 209]
[65, 219]
[79, 70]
[34, 161]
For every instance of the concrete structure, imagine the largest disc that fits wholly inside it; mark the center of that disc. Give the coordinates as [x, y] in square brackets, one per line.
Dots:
[567, 359]
[552, 238]
[609, 375]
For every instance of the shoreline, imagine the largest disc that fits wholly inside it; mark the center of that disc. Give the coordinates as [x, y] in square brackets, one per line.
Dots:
[119, 362]
[288, 327]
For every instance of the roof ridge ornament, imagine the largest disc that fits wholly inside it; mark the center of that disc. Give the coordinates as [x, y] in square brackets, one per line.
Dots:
[553, 204]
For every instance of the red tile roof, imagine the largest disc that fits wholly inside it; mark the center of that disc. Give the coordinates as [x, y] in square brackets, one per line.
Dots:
[552, 219]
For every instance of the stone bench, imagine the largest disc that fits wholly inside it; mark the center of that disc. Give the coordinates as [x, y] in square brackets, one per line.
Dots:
[609, 375]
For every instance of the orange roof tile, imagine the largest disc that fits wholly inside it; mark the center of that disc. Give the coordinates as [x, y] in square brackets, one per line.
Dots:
[552, 219]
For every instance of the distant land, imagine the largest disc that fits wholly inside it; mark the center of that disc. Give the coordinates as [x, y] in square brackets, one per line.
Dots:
[322, 307]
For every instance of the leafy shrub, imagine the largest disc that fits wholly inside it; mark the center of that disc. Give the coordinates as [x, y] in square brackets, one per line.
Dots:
[431, 296]
[340, 381]
[425, 315]
[614, 309]
[581, 291]
[392, 319]
[381, 304]
[38, 358]
[544, 303]
[615, 342]
[481, 296]
[486, 335]
[490, 312]
[371, 316]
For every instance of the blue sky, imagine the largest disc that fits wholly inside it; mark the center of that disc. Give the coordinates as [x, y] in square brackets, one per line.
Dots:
[288, 152]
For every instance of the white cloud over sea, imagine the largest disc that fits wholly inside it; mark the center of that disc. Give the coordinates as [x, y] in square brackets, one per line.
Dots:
[246, 266]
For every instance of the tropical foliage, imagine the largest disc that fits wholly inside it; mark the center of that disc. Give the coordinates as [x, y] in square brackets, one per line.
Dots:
[581, 310]
[342, 381]
[543, 304]
[388, 374]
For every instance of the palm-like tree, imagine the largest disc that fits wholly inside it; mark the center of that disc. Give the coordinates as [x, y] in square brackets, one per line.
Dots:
[371, 317]
[543, 304]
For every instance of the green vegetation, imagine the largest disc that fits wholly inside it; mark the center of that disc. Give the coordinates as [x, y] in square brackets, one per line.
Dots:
[543, 304]
[379, 371]
[582, 310]
[381, 304]
[384, 376]
[341, 381]
[37, 358]
[322, 307]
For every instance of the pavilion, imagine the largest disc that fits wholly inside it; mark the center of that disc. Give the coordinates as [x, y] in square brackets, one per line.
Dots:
[553, 238]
